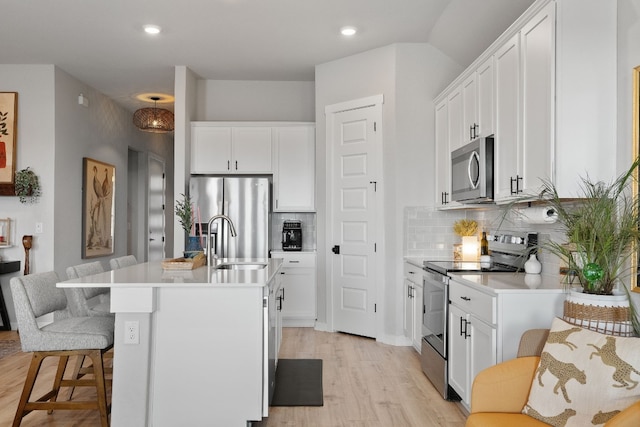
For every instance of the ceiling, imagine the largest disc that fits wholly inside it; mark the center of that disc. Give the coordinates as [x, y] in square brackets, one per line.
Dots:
[102, 44]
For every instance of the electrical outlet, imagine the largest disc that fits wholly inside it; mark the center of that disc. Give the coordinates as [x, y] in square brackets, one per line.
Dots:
[132, 332]
[39, 228]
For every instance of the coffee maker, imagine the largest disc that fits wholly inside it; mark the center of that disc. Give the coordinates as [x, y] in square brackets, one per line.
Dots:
[291, 235]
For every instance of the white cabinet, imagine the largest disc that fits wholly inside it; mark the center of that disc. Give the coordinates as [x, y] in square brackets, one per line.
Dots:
[455, 113]
[472, 337]
[525, 87]
[506, 177]
[298, 276]
[294, 169]
[217, 147]
[486, 98]
[413, 304]
[546, 125]
[485, 327]
[469, 109]
[443, 155]
[537, 41]
[478, 102]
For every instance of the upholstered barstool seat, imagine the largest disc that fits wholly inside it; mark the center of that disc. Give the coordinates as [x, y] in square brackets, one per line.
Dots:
[88, 301]
[34, 296]
[123, 261]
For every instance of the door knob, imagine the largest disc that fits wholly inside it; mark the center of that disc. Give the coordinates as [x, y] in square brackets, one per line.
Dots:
[336, 249]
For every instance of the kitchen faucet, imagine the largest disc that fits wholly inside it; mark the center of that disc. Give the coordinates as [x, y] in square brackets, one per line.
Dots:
[209, 245]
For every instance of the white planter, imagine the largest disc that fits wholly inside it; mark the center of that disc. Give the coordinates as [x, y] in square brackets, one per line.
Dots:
[608, 314]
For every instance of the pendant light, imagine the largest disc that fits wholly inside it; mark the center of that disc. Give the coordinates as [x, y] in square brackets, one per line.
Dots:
[156, 120]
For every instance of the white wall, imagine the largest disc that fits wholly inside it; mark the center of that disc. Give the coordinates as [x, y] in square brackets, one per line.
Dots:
[255, 100]
[408, 76]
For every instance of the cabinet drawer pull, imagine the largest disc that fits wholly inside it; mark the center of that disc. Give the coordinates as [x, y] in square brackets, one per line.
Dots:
[293, 261]
[465, 298]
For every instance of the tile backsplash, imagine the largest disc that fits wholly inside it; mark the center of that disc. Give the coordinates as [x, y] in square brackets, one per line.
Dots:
[429, 232]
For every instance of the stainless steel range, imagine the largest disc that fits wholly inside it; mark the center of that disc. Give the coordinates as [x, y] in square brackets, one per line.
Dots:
[509, 250]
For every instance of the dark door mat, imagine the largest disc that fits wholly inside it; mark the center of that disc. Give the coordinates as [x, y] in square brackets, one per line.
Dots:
[298, 383]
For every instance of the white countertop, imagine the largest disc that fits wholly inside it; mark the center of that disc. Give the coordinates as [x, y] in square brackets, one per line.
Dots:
[151, 274]
[510, 282]
[493, 283]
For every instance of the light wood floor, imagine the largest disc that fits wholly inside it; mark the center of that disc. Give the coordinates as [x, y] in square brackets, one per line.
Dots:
[365, 384]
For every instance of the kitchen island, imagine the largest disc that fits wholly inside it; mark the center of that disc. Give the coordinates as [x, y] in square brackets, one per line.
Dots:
[203, 353]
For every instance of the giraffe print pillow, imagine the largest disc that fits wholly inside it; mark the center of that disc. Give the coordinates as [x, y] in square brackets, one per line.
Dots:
[584, 378]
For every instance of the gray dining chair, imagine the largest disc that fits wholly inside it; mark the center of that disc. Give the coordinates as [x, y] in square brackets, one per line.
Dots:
[88, 301]
[123, 261]
[34, 296]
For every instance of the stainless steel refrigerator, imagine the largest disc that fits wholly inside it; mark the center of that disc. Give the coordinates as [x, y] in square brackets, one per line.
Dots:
[246, 201]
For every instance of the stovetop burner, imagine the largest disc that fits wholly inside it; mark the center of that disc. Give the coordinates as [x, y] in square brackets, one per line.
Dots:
[444, 267]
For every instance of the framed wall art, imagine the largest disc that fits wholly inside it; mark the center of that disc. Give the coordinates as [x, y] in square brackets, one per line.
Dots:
[8, 128]
[98, 213]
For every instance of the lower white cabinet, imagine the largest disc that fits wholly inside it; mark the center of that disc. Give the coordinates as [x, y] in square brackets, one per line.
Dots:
[298, 276]
[413, 304]
[472, 345]
[485, 326]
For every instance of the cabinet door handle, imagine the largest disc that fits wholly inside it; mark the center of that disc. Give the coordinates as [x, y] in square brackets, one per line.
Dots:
[518, 181]
[513, 180]
[236, 165]
[462, 327]
[470, 132]
[282, 294]
[228, 164]
[466, 329]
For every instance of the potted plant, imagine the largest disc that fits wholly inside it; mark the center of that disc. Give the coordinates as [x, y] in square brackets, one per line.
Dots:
[184, 212]
[601, 231]
[27, 186]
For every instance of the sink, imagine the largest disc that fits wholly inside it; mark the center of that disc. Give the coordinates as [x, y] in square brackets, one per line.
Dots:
[241, 266]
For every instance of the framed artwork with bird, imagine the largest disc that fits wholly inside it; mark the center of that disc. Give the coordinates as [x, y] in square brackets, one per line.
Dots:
[98, 213]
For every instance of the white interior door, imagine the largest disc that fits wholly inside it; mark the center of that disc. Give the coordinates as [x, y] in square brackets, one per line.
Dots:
[156, 196]
[353, 219]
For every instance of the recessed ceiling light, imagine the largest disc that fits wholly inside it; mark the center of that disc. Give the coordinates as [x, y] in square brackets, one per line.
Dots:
[347, 31]
[152, 29]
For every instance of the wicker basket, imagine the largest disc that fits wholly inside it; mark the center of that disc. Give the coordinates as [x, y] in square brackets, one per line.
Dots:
[604, 319]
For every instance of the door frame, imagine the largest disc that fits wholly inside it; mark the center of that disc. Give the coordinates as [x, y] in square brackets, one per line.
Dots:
[375, 101]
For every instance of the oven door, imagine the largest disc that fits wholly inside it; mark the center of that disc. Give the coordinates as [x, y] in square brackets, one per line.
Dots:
[436, 305]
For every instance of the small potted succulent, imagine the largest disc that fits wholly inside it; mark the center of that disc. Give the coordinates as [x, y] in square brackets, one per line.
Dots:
[27, 186]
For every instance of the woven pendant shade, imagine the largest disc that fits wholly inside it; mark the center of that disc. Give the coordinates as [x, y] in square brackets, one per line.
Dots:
[156, 120]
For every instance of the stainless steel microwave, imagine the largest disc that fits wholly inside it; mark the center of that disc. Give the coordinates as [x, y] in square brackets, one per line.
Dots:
[472, 172]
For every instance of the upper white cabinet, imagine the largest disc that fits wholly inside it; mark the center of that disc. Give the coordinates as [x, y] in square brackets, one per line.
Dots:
[550, 106]
[486, 98]
[524, 107]
[443, 155]
[223, 148]
[505, 178]
[294, 169]
[455, 114]
[478, 103]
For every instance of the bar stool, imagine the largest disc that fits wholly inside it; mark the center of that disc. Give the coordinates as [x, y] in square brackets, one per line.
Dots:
[34, 296]
[80, 299]
[123, 261]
